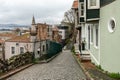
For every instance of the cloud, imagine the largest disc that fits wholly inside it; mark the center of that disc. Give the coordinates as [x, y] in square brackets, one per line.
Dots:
[21, 11]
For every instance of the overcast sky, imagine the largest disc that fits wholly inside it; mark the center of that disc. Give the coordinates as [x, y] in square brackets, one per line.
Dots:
[21, 11]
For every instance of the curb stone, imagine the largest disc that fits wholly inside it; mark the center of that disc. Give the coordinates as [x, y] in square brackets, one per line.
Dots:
[3, 77]
[48, 60]
[84, 70]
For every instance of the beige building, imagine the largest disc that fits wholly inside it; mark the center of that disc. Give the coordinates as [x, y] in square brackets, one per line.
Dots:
[18, 45]
[35, 41]
[55, 35]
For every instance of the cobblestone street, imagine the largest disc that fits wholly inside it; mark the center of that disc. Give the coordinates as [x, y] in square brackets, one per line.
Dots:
[63, 67]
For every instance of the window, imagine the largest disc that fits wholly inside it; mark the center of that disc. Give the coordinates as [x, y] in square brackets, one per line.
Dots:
[13, 50]
[93, 4]
[48, 29]
[96, 35]
[46, 46]
[60, 31]
[21, 50]
[91, 33]
[38, 50]
[43, 48]
[82, 9]
[111, 25]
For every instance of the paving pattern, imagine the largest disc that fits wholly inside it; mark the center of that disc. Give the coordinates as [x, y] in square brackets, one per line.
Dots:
[63, 67]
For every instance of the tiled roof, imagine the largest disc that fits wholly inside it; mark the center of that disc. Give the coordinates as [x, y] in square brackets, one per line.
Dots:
[22, 38]
[2, 41]
[7, 35]
[75, 4]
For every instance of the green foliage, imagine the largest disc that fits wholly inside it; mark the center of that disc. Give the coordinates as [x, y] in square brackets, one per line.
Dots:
[67, 41]
[99, 67]
[73, 49]
[19, 60]
[16, 61]
[114, 75]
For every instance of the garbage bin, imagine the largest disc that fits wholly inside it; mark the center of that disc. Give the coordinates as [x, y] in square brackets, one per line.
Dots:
[83, 46]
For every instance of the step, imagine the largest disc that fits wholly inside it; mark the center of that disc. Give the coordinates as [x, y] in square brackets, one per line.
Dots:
[85, 57]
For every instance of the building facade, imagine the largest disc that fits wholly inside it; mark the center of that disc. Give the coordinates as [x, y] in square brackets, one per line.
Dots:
[35, 41]
[99, 20]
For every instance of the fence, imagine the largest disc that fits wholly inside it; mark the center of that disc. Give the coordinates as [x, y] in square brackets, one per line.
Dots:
[54, 48]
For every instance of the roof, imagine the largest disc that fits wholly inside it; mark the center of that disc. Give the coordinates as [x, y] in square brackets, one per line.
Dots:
[7, 35]
[22, 38]
[75, 4]
[2, 41]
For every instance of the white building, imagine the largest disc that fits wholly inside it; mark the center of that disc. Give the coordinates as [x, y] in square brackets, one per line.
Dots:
[18, 45]
[35, 41]
[63, 31]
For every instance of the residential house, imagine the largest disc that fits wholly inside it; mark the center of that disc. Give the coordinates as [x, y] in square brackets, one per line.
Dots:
[40, 40]
[77, 30]
[64, 32]
[35, 41]
[18, 45]
[99, 20]
[4, 36]
[49, 31]
[55, 35]
[2, 49]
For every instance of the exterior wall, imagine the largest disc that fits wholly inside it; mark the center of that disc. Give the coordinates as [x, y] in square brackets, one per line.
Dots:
[105, 2]
[49, 32]
[83, 32]
[62, 33]
[110, 48]
[90, 46]
[94, 50]
[42, 32]
[8, 45]
[37, 47]
[56, 37]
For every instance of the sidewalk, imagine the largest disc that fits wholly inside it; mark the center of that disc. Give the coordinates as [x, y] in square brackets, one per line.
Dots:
[91, 70]
[95, 73]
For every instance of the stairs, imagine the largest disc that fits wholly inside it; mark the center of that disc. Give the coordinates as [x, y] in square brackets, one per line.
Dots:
[85, 56]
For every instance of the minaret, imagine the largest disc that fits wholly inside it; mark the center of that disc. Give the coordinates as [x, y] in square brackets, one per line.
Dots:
[33, 21]
[33, 30]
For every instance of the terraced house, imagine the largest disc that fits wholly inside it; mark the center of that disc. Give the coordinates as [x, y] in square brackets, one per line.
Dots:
[99, 26]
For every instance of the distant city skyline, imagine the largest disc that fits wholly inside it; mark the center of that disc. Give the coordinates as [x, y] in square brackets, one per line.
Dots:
[21, 11]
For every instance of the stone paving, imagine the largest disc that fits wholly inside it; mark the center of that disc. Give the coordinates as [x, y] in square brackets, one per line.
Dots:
[63, 67]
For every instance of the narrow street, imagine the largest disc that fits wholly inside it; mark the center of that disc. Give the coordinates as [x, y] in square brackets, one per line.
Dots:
[63, 67]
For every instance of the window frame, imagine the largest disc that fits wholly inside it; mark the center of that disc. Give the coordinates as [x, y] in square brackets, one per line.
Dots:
[96, 36]
[110, 29]
[94, 7]
[92, 34]
[82, 9]
[43, 48]
[12, 50]
[21, 51]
